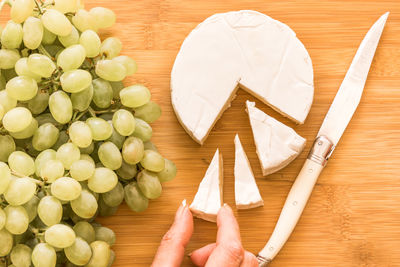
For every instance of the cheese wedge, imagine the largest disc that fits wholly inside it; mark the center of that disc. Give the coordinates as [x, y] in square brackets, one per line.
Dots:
[276, 144]
[247, 195]
[244, 49]
[208, 199]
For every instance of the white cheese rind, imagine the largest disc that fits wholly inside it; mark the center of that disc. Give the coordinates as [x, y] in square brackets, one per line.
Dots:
[276, 144]
[208, 199]
[244, 48]
[247, 195]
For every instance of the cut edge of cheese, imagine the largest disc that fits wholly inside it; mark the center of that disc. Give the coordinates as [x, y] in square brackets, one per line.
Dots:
[209, 197]
[276, 144]
[202, 88]
[247, 195]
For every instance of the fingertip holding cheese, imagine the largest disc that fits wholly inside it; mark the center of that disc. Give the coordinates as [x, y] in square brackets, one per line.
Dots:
[276, 144]
[209, 196]
[244, 49]
[247, 195]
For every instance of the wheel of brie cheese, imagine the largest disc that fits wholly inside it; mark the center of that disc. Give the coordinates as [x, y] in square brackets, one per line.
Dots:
[276, 144]
[244, 49]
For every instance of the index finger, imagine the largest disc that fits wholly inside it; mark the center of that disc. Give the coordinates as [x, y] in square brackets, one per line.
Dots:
[228, 228]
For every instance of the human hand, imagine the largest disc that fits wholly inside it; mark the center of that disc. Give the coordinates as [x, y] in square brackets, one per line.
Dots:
[227, 251]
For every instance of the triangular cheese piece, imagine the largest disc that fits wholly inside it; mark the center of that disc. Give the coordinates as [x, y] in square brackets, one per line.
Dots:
[208, 199]
[247, 195]
[276, 144]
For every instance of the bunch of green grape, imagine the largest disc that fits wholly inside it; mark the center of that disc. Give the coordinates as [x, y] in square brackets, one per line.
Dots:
[74, 141]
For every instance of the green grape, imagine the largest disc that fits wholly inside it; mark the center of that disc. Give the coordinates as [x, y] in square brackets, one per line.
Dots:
[60, 236]
[2, 218]
[135, 96]
[2, 82]
[31, 207]
[17, 220]
[133, 150]
[152, 161]
[68, 153]
[149, 112]
[87, 158]
[79, 253]
[86, 231]
[44, 156]
[85, 206]
[1, 112]
[117, 87]
[107, 116]
[82, 170]
[83, 21]
[70, 39]
[52, 170]
[21, 163]
[21, 255]
[44, 255]
[20, 191]
[80, 134]
[101, 129]
[103, 93]
[60, 106]
[62, 139]
[8, 58]
[9, 73]
[6, 242]
[5, 177]
[112, 258]
[127, 171]
[48, 37]
[65, 6]
[114, 197]
[103, 180]
[81, 101]
[105, 234]
[134, 198]
[116, 138]
[17, 119]
[110, 156]
[39, 103]
[22, 88]
[143, 130]
[100, 254]
[123, 122]
[11, 36]
[111, 47]
[71, 57]
[6, 101]
[103, 17]
[53, 49]
[90, 40]
[110, 70]
[129, 64]
[46, 118]
[21, 10]
[41, 65]
[66, 189]
[75, 81]
[168, 173]
[45, 136]
[32, 33]
[87, 150]
[27, 132]
[50, 210]
[56, 22]
[149, 184]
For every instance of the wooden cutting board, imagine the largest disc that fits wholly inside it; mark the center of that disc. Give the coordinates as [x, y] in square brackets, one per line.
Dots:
[353, 216]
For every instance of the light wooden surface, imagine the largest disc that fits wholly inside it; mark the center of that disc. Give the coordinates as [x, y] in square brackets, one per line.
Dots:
[353, 216]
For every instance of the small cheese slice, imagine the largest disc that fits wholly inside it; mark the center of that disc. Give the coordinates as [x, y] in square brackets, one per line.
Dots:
[276, 144]
[244, 49]
[208, 199]
[247, 195]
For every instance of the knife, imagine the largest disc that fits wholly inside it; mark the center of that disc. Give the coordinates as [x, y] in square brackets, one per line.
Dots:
[335, 122]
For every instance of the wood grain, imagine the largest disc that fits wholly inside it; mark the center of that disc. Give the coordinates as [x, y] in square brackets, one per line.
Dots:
[353, 216]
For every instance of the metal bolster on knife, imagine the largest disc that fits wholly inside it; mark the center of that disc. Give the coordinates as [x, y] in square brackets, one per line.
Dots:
[321, 150]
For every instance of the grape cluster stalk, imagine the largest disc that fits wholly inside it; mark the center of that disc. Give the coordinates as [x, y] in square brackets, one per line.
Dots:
[74, 140]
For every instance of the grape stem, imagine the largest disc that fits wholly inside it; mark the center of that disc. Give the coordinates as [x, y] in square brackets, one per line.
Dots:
[42, 49]
[92, 112]
[39, 7]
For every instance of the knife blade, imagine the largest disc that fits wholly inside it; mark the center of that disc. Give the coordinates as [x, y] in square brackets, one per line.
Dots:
[338, 117]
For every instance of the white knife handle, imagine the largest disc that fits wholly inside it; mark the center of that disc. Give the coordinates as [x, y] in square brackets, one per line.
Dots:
[297, 199]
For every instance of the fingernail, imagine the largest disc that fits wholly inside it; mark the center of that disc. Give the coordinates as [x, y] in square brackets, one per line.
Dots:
[181, 208]
[184, 203]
